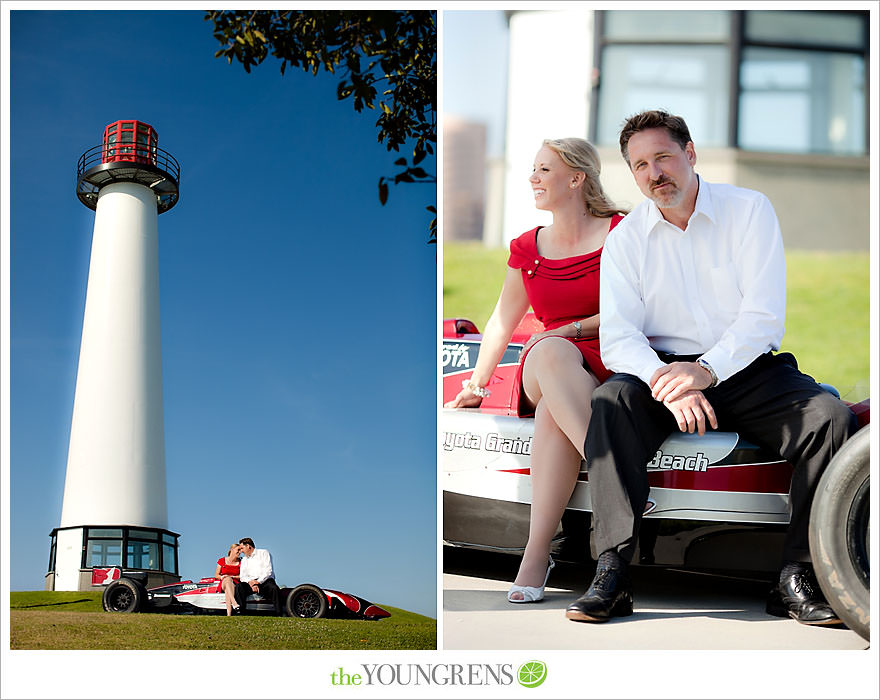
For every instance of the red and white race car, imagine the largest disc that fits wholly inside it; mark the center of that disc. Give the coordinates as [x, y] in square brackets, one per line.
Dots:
[716, 502]
[126, 592]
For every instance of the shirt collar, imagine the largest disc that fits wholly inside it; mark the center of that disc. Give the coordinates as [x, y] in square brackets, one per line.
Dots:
[704, 204]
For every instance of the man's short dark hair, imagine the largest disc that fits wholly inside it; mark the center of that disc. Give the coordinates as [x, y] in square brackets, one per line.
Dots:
[246, 540]
[653, 119]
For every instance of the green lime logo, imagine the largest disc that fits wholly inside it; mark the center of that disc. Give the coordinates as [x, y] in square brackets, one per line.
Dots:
[531, 674]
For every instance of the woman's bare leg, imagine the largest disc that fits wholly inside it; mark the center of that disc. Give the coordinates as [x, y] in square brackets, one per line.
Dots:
[562, 389]
[554, 372]
[228, 592]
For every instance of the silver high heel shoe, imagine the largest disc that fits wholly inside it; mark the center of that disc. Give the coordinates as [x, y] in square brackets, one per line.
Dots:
[531, 594]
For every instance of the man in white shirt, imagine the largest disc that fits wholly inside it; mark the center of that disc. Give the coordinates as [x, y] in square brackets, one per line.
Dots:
[256, 575]
[692, 306]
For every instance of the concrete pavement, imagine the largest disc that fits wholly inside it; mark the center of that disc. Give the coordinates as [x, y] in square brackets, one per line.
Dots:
[673, 610]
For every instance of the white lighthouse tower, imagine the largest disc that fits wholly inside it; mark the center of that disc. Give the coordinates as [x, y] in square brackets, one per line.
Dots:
[115, 506]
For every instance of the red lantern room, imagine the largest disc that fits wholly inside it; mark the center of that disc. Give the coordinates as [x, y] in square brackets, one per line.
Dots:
[130, 140]
[129, 152]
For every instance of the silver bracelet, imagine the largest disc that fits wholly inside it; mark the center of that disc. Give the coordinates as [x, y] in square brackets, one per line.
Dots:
[480, 391]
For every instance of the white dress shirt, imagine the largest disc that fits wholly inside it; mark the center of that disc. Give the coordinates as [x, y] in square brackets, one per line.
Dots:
[716, 289]
[257, 566]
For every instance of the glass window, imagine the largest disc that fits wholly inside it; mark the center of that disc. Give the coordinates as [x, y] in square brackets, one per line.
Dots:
[818, 28]
[658, 25]
[104, 553]
[52, 547]
[687, 80]
[142, 555]
[107, 532]
[802, 101]
[143, 534]
[170, 539]
[169, 558]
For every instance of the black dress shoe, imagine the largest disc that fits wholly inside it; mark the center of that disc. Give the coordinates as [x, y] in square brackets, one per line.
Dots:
[609, 595]
[798, 596]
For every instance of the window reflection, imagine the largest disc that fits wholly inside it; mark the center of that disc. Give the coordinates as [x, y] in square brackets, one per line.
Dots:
[799, 87]
[687, 80]
[802, 102]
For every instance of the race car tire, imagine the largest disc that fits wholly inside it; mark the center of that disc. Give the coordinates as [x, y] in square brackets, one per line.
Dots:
[123, 595]
[306, 601]
[840, 533]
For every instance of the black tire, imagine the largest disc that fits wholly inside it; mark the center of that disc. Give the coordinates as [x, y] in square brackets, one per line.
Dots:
[123, 595]
[306, 601]
[840, 533]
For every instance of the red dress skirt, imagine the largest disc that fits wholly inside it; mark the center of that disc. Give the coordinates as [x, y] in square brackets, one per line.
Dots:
[560, 291]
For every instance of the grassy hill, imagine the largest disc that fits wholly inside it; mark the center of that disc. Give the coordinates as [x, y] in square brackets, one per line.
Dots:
[827, 318]
[76, 620]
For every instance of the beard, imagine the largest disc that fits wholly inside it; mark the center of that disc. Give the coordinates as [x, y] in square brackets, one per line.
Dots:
[668, 197]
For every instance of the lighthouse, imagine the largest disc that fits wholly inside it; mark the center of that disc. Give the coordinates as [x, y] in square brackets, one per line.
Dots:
[115, 511]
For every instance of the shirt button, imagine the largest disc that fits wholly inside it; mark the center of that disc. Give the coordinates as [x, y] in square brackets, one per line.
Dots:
[537, 262]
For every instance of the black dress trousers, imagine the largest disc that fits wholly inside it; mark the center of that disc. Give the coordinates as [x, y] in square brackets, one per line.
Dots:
[769, 403]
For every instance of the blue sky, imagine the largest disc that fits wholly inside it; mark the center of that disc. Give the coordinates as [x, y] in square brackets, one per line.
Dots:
[298, 314]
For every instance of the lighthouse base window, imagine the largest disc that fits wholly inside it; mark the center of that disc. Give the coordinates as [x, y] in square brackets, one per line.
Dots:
[142, 549]
[131, 548]
[103, 547]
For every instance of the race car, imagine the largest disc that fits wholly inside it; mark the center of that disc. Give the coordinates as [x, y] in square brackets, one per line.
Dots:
[717, 502]
[126, 592]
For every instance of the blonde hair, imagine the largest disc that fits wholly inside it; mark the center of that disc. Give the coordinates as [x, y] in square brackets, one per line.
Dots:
[230, 548]
[579, 154]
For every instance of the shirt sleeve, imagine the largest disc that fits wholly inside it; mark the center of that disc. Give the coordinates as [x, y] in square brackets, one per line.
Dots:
[760, 323]
[622, 341]
[263, 566]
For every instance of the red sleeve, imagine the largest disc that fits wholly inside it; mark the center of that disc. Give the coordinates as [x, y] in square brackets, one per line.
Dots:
[523, 250]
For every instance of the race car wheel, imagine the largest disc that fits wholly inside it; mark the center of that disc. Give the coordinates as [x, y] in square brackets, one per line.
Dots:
[840, 533]
[123, 595]
[306, 601]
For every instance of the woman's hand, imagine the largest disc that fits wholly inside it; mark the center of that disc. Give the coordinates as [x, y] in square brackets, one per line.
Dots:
[465, 399]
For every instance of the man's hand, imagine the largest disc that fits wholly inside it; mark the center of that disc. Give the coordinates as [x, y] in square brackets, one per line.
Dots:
[692, 411]
[672, 381]
[255, 587]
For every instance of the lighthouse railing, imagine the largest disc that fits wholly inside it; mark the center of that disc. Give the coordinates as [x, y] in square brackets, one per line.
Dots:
[143, 154]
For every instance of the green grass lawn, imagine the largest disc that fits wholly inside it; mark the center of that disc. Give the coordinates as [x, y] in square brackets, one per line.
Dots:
[76, 620]
[827, 322]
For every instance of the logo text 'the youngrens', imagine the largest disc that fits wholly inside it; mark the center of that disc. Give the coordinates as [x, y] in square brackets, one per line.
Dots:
[425, 674]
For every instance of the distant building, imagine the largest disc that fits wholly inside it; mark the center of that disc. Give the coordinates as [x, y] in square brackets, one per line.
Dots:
[776, 100]
[464, 179]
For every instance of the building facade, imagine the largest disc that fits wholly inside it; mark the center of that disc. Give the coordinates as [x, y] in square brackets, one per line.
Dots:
[776, 100]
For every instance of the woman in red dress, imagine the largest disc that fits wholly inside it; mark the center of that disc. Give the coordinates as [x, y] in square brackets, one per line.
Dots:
[227, 571]
[555, 270]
